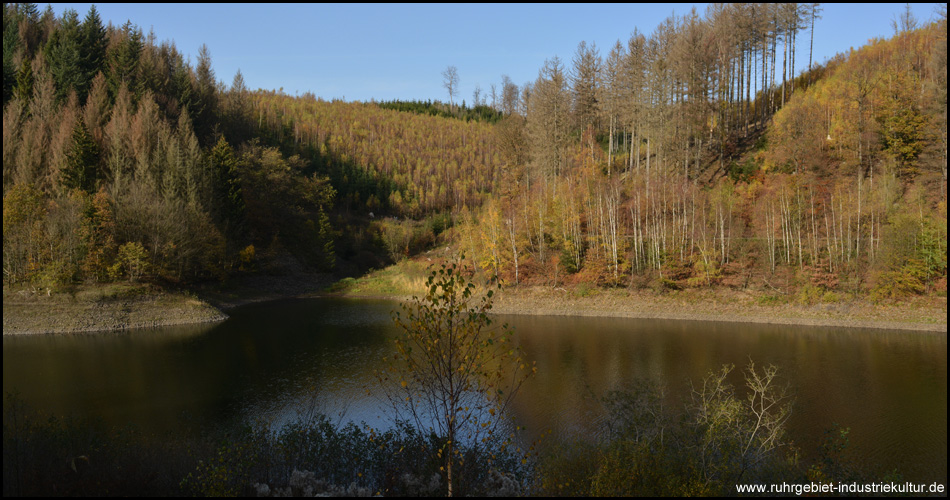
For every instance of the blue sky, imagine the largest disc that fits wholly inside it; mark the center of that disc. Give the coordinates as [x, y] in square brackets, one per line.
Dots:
[398, 51]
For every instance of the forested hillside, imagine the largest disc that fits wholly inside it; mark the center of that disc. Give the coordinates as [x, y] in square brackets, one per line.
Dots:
[480, 111]
[122, 161]
[671, 171]
[382, 160]
[689, 157]
[117, 162]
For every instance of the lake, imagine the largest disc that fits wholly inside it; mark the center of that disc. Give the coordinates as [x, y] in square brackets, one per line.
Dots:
[279, 359]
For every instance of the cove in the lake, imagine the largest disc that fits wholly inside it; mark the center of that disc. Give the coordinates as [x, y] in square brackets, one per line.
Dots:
[273, 360]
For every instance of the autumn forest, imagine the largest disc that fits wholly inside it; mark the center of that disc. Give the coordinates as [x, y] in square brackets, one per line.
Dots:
[688, 157]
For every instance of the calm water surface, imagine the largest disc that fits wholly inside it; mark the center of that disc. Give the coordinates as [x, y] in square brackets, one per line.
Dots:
[279, 359]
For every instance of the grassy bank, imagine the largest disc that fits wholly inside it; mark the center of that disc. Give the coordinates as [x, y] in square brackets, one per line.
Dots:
[86, 308]
[405, 279]
[401, 280]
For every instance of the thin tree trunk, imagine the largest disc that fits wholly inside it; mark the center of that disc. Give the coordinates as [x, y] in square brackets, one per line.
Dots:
[811, 44]
[785, 65]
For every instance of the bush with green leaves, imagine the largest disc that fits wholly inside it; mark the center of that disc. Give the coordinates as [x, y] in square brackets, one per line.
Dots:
[131, 262]
[914, 255]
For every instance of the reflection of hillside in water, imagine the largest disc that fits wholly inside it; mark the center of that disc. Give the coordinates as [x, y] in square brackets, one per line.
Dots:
[868, 380]
[143, 375]
[258, 360]
[275, 360]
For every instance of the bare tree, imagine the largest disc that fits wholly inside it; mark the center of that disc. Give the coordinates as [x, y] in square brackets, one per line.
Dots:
[547, 114]
[612, 95]
[632, 100]
[736, 432]
[905, 22]
[585, 80]
[476, 96]
[509, 95]
[450, 80]
[815, 10]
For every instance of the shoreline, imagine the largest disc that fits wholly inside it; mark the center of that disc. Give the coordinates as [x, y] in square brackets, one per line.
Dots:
[722, 306]
[538, 301]
[722, 318]
[102, 309]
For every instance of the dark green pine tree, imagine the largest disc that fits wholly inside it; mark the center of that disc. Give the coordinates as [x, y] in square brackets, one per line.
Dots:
[9, 81]
[327, 255]
[123, 56]
[82, 160]
[206, 97]
[11, 40]
[228, 205]
[182, 87]
[62, 56]
[92, 39]
[237, 121]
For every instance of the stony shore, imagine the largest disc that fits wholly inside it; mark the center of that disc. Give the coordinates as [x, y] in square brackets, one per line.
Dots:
[106, 308]
[922, 315]
[402, 280]
[101, 308]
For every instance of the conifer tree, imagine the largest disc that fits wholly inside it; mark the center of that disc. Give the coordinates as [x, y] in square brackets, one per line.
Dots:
[183, 87]
[585, 85]
[613, 95]
[195, 174]
[82, 160]
[92, 41]
[96, 110]
[62, 53]
[228, 198]
[24, 82]
[205, 97]
[124, 53]
[14, 116]
[548, 113]
[237, 112]
[11, 41]
[118, 139]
